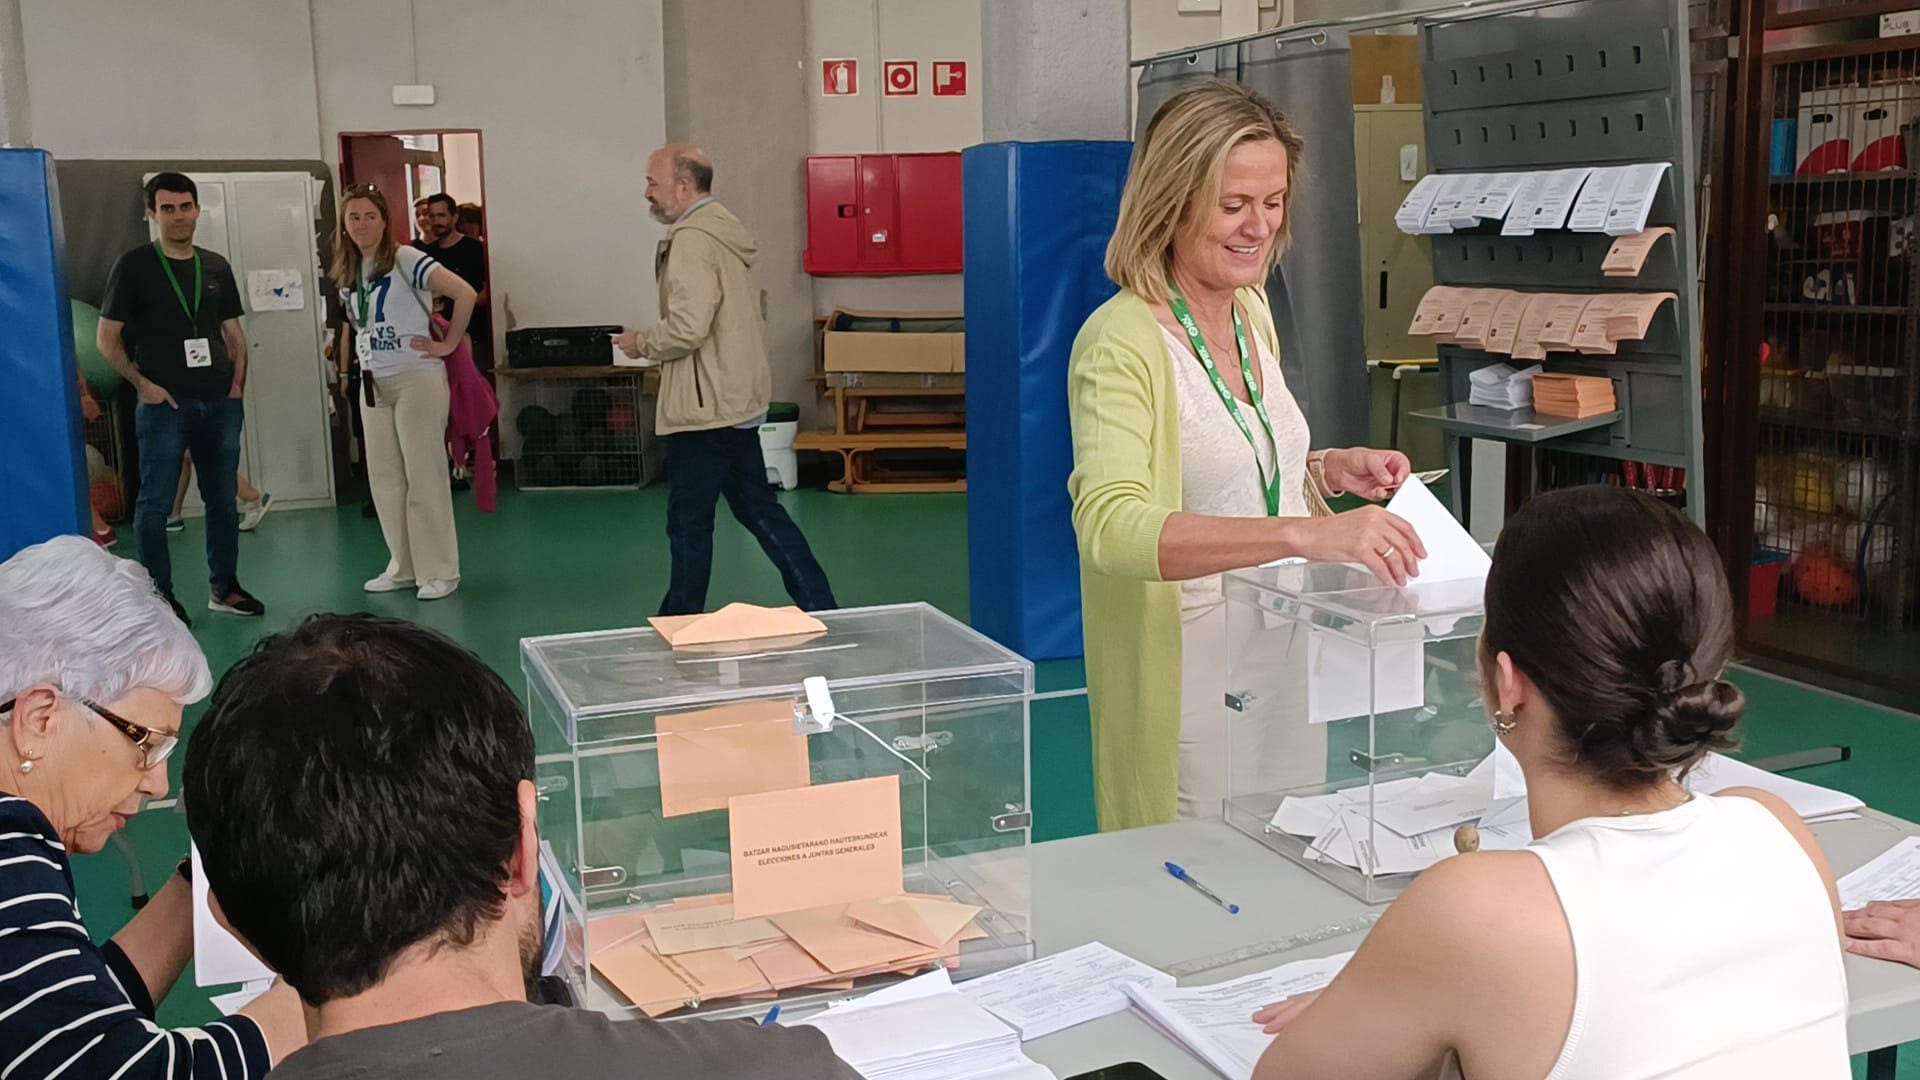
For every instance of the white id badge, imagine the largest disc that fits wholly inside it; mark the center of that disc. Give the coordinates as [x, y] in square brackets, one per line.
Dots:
[363, 346]
[199, 353]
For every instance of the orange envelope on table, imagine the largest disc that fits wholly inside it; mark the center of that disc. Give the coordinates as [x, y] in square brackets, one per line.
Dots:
[643, 977]
[735, 622]
[815, 846]
[710, 756]
[930, 922]
[842, 945]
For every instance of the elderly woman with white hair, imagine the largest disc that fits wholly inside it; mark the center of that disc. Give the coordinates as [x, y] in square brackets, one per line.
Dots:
[94, 672]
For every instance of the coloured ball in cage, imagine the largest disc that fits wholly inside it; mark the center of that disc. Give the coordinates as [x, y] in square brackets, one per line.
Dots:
[591, 471]
[1813, 488]
[105, 491]
[1860, 486]
[590, 404]
[621, 417]
[534, 422]
[1871, 548]
[1824, 578]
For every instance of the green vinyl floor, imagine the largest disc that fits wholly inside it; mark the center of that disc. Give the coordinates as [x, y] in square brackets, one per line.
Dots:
[553, 562]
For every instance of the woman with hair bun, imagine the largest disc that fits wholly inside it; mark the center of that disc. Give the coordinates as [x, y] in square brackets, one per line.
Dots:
[1647, 931]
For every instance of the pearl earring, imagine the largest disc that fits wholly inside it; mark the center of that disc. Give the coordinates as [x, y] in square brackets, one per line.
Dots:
[26, 766]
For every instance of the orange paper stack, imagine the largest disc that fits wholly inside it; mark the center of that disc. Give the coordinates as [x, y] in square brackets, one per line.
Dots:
[670, 958]
[1572, 396]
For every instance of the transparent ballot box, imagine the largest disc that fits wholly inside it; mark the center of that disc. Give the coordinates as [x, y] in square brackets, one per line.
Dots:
[1357, 739]
[898, 728]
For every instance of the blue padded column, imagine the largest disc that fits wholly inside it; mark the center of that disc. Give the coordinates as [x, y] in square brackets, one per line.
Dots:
[43, 473]
[1038, 216]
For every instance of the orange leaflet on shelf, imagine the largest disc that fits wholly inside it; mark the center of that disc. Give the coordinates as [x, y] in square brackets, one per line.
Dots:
[1557, 332]
[1634, 315]
[710, 756]
[815, 846]
[1628, 255]
[1476, 322]
[736, 622]
[1506, 322]
[1590, 333]
[1440, 301]
[1533, 322]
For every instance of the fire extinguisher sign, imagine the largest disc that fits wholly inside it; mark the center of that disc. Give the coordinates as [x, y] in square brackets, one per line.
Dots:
[840, 78]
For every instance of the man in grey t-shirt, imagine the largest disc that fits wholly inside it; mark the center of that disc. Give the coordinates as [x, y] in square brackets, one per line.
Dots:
[361, 793]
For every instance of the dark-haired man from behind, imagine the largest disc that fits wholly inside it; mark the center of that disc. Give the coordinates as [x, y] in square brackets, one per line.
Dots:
[170, 325]
[361, 790]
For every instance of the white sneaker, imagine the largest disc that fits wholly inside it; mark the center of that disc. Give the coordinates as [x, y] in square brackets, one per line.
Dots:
[436, 588]
[251, 513]
[388, 583]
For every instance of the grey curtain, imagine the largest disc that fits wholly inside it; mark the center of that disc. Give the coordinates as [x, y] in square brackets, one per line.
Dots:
[1316, 288]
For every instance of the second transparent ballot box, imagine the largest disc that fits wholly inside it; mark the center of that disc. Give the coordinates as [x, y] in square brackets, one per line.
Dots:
[1358, 741]
[814, 748]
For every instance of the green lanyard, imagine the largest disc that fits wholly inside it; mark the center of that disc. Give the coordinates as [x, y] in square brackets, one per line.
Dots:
[361, 291]
[193, 312]
[1270, 483]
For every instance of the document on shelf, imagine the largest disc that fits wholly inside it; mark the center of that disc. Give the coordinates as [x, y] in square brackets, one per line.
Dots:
[1633, 198]
[1497, 199]
[1476, 322]
[1894, 875]
[1628, 255]
[1216, 1022]
[1557, 331]
[1411, 218]
[1633, 317]
[1439, 301]
[1525, 204]
[1557, 194]
[1596, 199]
[1506, 323]
[1466, 212]
[1455, 189]
[1533, 323]
[1061, 991]
[1590, 332]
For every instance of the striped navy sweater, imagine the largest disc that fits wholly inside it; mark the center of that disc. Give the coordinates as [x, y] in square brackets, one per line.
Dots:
[71, 1009]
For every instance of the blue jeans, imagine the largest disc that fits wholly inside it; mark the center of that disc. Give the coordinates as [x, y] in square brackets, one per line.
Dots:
[701, 467]
[210, 431]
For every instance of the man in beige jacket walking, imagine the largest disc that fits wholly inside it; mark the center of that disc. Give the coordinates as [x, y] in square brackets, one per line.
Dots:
[711, 345]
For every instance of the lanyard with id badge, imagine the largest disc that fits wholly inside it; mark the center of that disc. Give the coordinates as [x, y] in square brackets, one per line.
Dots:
[199, 350]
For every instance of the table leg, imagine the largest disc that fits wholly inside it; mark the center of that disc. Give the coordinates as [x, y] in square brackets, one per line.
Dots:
[1883, 1063]
[1459, 462]
[1393, 425]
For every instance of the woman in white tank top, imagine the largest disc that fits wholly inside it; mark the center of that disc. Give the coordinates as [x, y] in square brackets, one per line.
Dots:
[1646, 932]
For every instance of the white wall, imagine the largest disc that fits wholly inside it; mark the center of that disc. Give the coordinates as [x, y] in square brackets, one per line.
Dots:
[569, 109]
[462, 174]
[171, 78]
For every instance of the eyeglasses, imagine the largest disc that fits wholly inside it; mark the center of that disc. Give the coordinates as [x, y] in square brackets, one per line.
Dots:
[154, 745]
[361, 189]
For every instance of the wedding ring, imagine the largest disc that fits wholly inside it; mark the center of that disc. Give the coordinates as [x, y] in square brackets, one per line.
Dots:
[1388, 552]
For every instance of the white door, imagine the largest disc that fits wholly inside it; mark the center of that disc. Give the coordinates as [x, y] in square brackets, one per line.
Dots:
[263, 222]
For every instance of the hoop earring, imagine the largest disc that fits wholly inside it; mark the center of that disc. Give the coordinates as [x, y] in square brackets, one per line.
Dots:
[1504, 726]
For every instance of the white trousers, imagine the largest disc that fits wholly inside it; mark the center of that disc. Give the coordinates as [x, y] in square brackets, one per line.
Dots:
[406, 433]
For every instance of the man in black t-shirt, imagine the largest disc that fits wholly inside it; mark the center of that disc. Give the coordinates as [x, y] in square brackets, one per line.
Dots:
[170, 325]
[467, 258]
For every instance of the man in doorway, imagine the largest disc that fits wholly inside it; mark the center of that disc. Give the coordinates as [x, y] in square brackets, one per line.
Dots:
[408, 912]
[467, 258]
[170, 325]
[711, 346]
[422, 223]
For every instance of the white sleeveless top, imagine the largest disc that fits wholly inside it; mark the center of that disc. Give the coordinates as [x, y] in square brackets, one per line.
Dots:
[1217, 474]
[1704, 948]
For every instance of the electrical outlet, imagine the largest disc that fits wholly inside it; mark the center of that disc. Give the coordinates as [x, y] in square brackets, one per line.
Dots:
[1199, 7]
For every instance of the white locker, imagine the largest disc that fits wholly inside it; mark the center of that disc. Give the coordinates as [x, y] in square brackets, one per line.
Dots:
[265, 221]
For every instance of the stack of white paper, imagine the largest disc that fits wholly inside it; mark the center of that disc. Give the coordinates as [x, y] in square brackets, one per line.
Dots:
[1501, 386]
[1216, 1022]
[1412, 824]
[1895, 875]
[939, 1037]
[1057, 992]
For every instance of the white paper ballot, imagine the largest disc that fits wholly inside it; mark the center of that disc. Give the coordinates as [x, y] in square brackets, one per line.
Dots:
[1411, 218]
[1454, 188]
[228, 1004]
[1633, 198]
[218, 957]
[1596, 198]
[940, 1037]
[1060, 991]
[1497, 197]
[1557, 192]
[1380, 850]
[1894, 875]
[1338, 687]
[1452, 553]
[1439, 801]
[1216, 1022]
[1466, 211]
[1311, 815]
[1524, 204]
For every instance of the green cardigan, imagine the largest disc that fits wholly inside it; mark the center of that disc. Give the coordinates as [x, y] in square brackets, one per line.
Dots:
[1125, 484]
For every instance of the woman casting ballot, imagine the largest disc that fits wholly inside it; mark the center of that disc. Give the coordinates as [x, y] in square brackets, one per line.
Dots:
[1190, 455]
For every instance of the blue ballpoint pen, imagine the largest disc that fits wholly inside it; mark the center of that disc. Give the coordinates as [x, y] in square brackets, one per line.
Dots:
[772, 1015]
[1180, 872]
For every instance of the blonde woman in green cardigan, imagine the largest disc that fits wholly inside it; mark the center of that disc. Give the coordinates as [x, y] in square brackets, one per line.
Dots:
[1190, 456]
